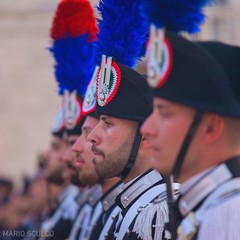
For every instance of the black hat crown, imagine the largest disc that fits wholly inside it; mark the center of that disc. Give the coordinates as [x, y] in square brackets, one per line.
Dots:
[127, 94]
[197, 80]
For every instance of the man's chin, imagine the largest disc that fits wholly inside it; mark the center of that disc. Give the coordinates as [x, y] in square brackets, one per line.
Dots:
[75, 180]
[55, 180]
[89, 181]
[101, 172]
[69, 173]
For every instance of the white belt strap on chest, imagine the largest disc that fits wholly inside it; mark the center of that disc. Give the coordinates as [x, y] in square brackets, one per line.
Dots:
[109, 222]
[84, 212]
[190, 223]
[146, 198]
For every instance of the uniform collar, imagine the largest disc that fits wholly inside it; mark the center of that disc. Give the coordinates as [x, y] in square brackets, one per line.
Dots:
[185, 186]
[108, 199]
[95, 195]
[199, 187]
[67, 191]
[137, 188]
[82, 198]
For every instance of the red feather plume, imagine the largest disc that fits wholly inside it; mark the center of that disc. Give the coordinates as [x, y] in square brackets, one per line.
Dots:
[74, 18]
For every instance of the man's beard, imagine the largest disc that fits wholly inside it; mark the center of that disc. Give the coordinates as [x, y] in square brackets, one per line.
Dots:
[114, 163]
[89, 177]
[55, 178]
[75, 180]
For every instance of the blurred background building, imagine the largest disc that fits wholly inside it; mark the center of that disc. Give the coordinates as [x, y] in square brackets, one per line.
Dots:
[28, 97]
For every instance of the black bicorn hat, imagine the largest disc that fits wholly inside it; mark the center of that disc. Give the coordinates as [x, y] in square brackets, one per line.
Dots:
[196, 79]
[128, 98]
[179, 70]
[121, 91]
[73, 33]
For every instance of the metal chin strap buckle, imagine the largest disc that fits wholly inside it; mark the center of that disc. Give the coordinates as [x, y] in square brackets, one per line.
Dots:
[188, 227]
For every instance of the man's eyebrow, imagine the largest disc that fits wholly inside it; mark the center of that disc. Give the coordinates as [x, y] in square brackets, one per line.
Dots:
[104, 118]
[86, 128]
[160, 106]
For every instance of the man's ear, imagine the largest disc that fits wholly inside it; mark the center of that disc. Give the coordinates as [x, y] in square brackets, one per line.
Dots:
[213, 128]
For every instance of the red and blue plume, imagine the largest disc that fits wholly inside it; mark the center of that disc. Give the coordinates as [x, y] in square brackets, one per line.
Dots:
[73, 32]
[176, 15]
[123, 31]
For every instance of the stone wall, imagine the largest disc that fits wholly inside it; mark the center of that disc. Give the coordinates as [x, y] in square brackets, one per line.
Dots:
[27, 86]
[222, 22]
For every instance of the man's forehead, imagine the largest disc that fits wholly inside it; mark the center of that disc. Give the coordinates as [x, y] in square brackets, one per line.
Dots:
[67, 137]
[161, 103]
[72, 137]
[90, 122]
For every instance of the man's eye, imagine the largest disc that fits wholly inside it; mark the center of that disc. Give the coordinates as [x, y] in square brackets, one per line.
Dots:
[108, 124]
[164, 114]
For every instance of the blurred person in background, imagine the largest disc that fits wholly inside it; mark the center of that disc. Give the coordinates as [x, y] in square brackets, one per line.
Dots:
[64, 192]
[6, 189]
[73, 36]
[21, 216]
[72, 33]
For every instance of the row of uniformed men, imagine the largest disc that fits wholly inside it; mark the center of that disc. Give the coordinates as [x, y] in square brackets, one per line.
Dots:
[189, 130]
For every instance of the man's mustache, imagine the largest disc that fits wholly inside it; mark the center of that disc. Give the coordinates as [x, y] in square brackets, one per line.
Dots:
[96, 150]
[71, 166]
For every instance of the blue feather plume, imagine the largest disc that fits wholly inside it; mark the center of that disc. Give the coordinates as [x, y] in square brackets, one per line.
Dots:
[75, 63]
[176, 15]
[123, 31]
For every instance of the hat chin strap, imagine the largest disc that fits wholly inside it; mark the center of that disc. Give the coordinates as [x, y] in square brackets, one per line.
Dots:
[131, 160]
[186, 143]
[171, 226]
